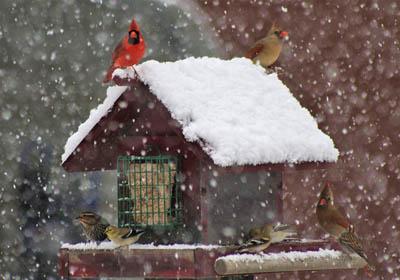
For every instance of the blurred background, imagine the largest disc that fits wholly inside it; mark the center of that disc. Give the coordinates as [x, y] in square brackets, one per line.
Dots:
[341, 62]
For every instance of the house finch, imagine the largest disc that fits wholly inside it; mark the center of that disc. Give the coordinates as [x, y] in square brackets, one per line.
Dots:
[128, 52]
[338, 226]
[266, 50]
[123, 236]
[93, 226]
[262, 237]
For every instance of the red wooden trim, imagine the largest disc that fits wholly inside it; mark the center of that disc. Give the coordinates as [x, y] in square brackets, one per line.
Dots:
[63, 264]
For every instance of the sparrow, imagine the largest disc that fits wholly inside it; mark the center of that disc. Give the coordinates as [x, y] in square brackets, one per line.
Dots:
[123, 236]
[128, 52]
[337, 225]
[261, 238]
[93, 226]
[267, 50]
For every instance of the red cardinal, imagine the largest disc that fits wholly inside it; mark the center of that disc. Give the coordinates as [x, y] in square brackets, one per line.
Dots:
[128, 52]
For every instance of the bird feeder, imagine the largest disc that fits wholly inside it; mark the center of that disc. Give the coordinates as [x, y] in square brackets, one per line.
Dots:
[200, 148]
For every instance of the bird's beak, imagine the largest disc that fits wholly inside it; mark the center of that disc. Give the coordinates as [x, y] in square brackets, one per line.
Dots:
[284, 34]
[322, 202]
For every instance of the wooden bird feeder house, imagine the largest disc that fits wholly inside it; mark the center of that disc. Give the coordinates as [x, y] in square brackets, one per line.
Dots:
[200, 148]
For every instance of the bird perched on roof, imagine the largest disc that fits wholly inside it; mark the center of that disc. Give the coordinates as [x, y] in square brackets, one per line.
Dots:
[123, 236]
[267, 50]
[262, 237]
[93, 226]
[128, 52]
[337, 225]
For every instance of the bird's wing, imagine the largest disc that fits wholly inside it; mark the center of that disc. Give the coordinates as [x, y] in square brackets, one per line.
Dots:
[283, 227]
[254, 248]
[125, 232]
[339, 219]
[254, 51]
[352, 243]
[118, 49]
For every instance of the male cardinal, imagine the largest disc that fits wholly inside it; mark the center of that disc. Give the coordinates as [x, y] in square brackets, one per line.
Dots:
[93, 226]
[266, 50]
[123, 236]
[338, 226]
[128, 52]
[262, 237]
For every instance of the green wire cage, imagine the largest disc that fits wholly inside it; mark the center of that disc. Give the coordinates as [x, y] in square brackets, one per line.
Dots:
[148, 191]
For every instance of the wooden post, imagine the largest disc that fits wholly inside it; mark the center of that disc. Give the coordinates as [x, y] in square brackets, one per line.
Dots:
[241, 264]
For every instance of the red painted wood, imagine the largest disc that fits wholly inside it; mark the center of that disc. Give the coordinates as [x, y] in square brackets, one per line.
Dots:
[63, 263]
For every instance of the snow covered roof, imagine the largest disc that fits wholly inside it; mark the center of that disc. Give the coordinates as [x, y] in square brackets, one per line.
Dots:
[237, 113]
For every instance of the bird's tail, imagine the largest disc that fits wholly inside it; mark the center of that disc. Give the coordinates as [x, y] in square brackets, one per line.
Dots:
[352, 243]
[108, 76]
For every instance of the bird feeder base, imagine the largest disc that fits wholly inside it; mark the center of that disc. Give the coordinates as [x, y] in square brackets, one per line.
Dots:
[185, 261]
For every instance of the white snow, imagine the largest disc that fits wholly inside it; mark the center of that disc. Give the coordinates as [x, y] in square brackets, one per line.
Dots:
[113, 93]
[238, 114]
[127, 73]
[291, 256]
[108, 245]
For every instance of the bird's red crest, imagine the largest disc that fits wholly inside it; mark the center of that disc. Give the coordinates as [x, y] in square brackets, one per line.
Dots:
[134, 26]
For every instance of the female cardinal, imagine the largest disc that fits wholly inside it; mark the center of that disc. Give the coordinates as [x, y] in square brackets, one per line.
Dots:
[266, 51]
[334, 223]
[128, 52]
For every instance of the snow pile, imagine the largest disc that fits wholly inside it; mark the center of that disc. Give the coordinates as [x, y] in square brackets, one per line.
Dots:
[126, 73]
[238, 113]
[290, 256]
[108, 245]
[113, 93]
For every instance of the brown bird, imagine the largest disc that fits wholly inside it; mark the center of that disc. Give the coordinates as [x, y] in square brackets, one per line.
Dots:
[261, 238]
[267, 50]
[93, 226]
[337, 225]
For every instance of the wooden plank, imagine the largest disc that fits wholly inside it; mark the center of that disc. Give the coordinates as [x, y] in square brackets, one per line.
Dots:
[94, 263]
[242, 265]
[163, 264]
[160, 263]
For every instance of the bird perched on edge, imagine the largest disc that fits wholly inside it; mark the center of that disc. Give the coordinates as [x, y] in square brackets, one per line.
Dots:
[338, 226]
[93, 226]
[123, 236]
[128, 52]
[267, 50]
[261, 238]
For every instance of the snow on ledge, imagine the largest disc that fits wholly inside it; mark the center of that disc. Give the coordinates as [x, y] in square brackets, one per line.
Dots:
[291, 256]
[113, 93]
[108, 245]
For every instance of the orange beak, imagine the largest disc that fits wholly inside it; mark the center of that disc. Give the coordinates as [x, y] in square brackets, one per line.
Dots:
[322, 202]
[284, 34]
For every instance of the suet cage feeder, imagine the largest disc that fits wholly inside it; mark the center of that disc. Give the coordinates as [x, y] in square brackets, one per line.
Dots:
[148, 191]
